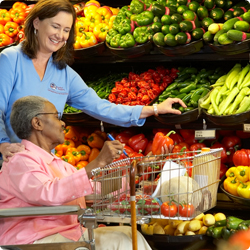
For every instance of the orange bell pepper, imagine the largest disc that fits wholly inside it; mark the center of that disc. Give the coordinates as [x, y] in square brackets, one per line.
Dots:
[1, 29]
[93, 1]
[67, 144]
[84, 151]
[18, 15]
[93, 19]
[59, 150]
[93, 154]
[105, 13]
[77, 44]
[71, 133]
[160, 140]
[4, 40]
[73, 151]
[83, 137]
[100, 31]
[19, 5]
[11, 29]
[81, 164]
[81, 27]
[4, 16]
[88, 39]
[95, 141]
[103, 135]
[69, 158]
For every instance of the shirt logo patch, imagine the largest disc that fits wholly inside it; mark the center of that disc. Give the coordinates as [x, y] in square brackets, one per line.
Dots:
[55, 89]
[53, 86]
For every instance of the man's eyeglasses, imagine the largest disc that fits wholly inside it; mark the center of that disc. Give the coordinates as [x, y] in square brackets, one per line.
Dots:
[59, 114]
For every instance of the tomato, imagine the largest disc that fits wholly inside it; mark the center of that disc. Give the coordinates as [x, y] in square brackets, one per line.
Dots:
[148, 206]
[241, 239]
[168, 209]
[241, 157]
[186, 210]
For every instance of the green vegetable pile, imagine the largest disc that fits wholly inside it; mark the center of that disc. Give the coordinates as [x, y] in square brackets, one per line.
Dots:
[190, 86]
[102, 86]
[230, 94]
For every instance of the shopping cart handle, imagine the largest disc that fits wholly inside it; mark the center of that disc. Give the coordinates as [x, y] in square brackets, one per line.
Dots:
[38, 211]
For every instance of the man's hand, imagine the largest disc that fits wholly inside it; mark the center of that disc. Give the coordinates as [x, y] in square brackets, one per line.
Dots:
[9, 149]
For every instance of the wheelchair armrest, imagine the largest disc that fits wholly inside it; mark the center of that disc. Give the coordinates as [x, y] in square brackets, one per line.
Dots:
[39, 211]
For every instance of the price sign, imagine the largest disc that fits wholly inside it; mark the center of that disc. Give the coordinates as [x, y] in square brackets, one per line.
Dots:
[204, 134]
[246, 127]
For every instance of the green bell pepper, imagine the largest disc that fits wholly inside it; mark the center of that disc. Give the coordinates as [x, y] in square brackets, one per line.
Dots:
[125, 26]
[126, 11]
[148, 3]
[127, 41]
[112, 32]
[137, 7]
[141, 34]
[144, 18]
[115, 41]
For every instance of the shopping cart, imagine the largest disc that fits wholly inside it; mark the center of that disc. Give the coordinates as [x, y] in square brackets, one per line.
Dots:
[186, 178]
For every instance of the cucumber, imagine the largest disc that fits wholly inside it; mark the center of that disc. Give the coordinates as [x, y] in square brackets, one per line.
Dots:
[208, 37]
[237, 35]
[186, 26]
[165, 29]
[202, 12]
[209, 4]
[181, 9]
[206, 22]
[193, 6]
[242, 26]
[228, 25]
[228, 15]
[169, 40]
[216, 13]
[174, 28]
[189, 15]
[197, 33]
[238, 11]
[223, 39]
[220, 3]
[246, 16]
[176, 18]
[216, 36]
[181, 38]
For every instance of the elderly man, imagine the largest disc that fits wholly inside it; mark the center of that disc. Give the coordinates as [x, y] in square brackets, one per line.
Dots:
[36, 177]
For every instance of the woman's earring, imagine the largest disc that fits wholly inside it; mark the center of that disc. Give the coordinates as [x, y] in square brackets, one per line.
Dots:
[35, 31]
[64, 43]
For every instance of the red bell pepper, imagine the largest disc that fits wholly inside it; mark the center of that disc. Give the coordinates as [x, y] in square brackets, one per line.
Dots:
[242, 134]
[163, 130]
[160, 140]
[149, 147]
[138, 142]
[223, 169]
[226, 132]
[231, 141]
[125, 135]
[242, 157]
[176, 138]
[188, 135]
[224, 157]
[180, 150]
[197, 146]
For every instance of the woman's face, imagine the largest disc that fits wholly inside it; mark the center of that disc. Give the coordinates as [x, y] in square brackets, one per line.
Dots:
[52, 33]
[53, 127]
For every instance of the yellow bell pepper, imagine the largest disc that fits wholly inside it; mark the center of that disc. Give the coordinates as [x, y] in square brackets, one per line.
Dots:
[111, 20]
[243, 190]
[242, 173]
[105, 13]
[114, 10]
[232, 186]
[94, 19]
[100, 31]
[91, 7]
[77, 44]
[81, 27]
[93, 1]
[231, 172]
[227, 182]
[88, 39]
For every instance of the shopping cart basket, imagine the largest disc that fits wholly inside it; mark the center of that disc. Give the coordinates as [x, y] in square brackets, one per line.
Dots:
[185, 178]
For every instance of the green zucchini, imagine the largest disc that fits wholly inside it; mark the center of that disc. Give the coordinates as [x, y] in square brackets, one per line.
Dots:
[238, 36]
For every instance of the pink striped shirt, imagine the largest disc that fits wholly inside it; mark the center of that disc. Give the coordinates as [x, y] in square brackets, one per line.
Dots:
[36, 178]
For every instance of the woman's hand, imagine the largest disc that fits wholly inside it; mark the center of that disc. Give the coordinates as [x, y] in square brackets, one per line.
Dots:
[9, 149]
[110, 151]
[166, 106]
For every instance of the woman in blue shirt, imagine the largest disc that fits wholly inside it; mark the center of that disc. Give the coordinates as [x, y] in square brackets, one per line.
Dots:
[39, 66]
